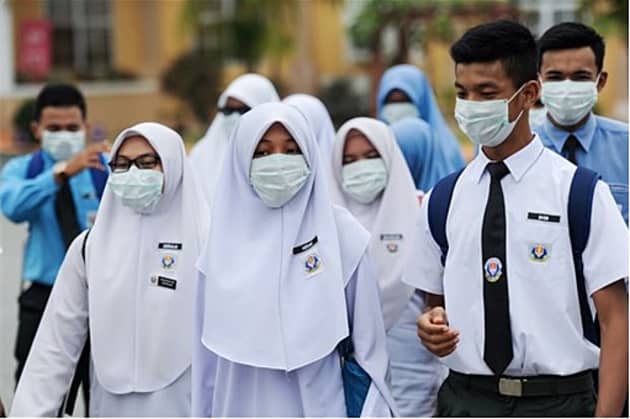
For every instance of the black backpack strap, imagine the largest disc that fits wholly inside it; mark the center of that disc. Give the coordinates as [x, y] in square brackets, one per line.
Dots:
[87, 233]
[439, 204]
[579, 210]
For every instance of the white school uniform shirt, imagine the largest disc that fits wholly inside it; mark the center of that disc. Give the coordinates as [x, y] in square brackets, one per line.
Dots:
[274, 303]
[544, 309]
[206, 157]
[133, 294]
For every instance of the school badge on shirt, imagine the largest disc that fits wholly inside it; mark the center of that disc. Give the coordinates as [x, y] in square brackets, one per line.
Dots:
[539, 252]
[168, 262]
[309, 256]
[493, 269]
[391, 242]
[312, 264]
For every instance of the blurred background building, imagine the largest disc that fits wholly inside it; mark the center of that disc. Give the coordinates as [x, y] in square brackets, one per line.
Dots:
[167, 60]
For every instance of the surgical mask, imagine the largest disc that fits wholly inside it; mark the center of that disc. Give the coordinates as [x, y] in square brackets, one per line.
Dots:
[394, 112]
[277, 178]
[569, 101]
[230, 121]
[138, 189]
[62, 145]
[364, 180]
[487, 122]
[537, 116]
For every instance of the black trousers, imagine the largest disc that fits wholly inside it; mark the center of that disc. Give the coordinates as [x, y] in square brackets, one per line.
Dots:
[32, 303]
[457, 399]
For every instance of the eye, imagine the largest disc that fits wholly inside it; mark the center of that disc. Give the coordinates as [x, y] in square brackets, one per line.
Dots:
[260, 153]
[348, 159]
[294, 151]
[119, 165]
[147, 162]
[372, 155]
[488, 95]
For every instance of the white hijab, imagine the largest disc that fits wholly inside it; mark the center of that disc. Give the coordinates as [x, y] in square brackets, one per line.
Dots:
[391, 219]
[141, 332]
[262, 306]
[319, 120]
[206, 157]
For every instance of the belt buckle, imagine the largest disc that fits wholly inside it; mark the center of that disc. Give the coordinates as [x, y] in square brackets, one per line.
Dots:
[511, 387]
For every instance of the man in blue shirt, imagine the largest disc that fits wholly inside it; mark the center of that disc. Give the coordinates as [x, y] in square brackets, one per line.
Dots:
[56, 189]
[570, 61]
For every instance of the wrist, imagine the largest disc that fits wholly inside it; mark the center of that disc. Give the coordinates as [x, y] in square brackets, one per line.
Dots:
[60, 171]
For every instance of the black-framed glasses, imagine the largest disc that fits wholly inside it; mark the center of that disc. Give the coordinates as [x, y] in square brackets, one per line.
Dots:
[122, 164]
[229, 111]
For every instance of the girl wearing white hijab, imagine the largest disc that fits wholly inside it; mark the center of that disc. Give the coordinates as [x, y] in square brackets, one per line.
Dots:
[284, 284]
[371, 180]
[241, 95]
[318, 118]
[129, 284]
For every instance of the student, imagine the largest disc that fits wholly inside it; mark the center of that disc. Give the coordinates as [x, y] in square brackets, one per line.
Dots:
[372, 181]
[286, 286]
[319, 120]
[128, 284]
[511, 330]
[420, 149]
[570, 65]
[56, 190]
[537, 114]
[206, 157]
[405, 92]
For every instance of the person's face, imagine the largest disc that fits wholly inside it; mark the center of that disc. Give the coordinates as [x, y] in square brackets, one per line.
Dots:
[58, 118]
[577, 64]
[137, 149]
[233, 105]
[277, 140]
[397, 96]
[488, 81]
[358, 147]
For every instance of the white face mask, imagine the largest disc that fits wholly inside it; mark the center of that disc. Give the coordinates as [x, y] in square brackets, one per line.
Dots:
[364, 180]
[62, 145]
[486, 122]
[394, 112]
[139, 189]
[230, 121]
[537, 116]
[569, 101]
[277, 178]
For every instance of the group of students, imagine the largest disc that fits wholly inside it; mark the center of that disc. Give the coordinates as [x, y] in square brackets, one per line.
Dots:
[283, 269]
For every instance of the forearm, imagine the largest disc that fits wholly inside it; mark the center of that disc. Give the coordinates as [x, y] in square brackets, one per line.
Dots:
[613, 369]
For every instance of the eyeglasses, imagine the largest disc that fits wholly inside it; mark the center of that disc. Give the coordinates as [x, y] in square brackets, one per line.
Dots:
[122, 164]
[229, 111]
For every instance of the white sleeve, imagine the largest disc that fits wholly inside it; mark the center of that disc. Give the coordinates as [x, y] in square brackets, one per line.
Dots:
[429, 265]
[606, 255]
[58, 343]
[369, 339]
[203, 360]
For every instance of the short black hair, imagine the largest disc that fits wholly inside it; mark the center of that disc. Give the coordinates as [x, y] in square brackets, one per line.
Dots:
[59, 95]
[504, 40]
[568, 35]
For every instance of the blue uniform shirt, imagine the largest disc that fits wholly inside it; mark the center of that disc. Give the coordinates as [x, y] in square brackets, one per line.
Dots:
[603, 148]
[33, 201]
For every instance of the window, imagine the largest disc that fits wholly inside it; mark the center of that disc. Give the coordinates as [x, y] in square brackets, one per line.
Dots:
[540, 15]
[82, 33]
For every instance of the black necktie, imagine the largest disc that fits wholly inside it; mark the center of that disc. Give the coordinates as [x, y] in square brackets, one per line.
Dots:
[497, 350]
[66, 213]
[570, 146]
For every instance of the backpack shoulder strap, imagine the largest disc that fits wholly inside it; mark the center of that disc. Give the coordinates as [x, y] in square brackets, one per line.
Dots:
[84, 244]
[35, 165]
[579, 211]
[439, 204]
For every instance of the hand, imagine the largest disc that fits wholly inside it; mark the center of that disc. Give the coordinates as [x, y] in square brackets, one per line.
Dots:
[88, 158]
[434, 332]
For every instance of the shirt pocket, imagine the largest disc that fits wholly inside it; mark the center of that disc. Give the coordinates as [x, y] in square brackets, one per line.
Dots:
[620, 193]
[543, 251]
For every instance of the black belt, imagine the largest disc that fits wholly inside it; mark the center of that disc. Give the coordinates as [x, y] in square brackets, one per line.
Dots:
[539, 385]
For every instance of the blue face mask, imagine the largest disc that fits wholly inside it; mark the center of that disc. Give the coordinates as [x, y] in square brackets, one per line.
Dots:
[277, 178]
[139, 189]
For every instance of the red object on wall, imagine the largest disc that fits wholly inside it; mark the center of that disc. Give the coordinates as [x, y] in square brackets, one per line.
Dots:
[35, 48]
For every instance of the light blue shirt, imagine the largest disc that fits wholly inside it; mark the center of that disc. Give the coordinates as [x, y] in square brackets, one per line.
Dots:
[603, 148]
[33, 201]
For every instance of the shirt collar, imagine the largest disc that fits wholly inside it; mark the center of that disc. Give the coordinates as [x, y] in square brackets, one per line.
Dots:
[558, 136]
[518, 163]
